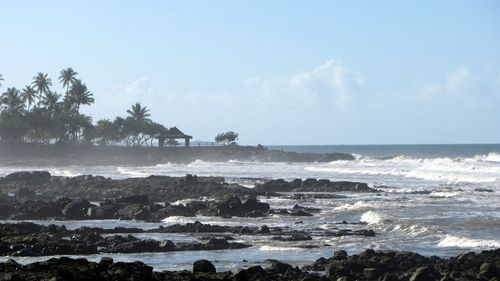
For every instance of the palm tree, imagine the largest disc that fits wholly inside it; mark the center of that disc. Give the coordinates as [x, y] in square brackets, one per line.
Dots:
[1, 79]
[50, 101]
[28, 94]
[139, 113]
[79, 94]
[42, 84]
[67, 77]
[12, 101]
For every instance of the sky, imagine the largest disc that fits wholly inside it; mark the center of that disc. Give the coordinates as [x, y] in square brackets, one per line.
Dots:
[276, 72]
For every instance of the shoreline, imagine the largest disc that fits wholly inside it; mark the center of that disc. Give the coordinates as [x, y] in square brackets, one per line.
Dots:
[57, 155]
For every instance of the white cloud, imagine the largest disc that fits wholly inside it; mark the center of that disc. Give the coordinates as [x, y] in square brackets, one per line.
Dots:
[329, 82]
[465, 84]
[136, 88]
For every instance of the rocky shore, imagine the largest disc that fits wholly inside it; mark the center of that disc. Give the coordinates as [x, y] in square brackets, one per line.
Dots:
[29, 239]
[368, 265]
[42, 185]
[60, 155]
[38, 196]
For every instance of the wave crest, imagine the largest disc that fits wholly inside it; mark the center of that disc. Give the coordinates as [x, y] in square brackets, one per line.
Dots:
[465, 242]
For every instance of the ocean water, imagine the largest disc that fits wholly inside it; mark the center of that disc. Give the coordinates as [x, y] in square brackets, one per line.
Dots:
[433, 202]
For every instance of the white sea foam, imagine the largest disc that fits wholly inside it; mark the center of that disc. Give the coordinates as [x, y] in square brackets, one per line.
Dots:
[178, 220]
[491, 157]
[354, 206]
[477, 169]
[465, 242]
[132, 172]
[64, 173]
[445, 194]
[275, 248]
[413, 229]
[372, 217]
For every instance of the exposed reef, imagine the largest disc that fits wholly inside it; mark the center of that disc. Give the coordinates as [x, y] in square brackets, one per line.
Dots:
[369, 265]
[42, 185]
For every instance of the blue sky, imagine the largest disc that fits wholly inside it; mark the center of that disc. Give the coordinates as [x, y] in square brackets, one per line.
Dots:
[278, 72]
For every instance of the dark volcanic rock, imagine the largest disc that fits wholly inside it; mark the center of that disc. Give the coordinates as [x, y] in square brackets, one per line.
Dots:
[369, 265]
[313, 185]
[76, 209]
[162, 188]
[232, 206]
[33, 177]
[203, 266]
[96, 188]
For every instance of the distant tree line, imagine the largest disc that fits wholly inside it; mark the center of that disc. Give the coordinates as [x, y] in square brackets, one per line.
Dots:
[38, 114]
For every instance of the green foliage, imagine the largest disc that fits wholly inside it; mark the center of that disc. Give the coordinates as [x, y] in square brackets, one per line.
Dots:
[227, 138]
[39, 114]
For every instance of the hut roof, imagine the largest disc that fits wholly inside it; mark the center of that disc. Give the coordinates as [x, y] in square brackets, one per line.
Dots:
[174, 133]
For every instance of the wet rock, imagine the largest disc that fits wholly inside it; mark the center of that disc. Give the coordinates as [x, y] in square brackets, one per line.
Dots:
[340, 254]
[173, 210]
[483, 190]
[138, 246]
[107, 261]
[33, 177]
[300, 213]
[488, 270]
[203, 266]
[423, 273]
[251, 273]
[253, 204]
[361, 232]
[371, 273]
[313, 185]
[133, 199]
[264, 229]
[76, 209]
[134, 211]
[294, 237]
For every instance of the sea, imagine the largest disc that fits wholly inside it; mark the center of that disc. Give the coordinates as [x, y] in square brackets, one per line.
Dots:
[440, 200]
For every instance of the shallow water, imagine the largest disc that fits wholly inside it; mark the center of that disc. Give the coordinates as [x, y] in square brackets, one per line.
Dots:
[429, 205]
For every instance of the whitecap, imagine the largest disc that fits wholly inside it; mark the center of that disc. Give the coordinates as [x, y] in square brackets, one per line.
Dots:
[354, 206]
[372, 217]
[178, 220]
[465, 242]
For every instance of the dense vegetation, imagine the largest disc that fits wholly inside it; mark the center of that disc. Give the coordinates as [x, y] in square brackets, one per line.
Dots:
[38, 114]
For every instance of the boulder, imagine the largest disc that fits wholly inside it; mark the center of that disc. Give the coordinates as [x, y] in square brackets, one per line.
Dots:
[424, 273]
[76, 209]
[251, 273]
[203, 266]
[32, 177]
[134, 211]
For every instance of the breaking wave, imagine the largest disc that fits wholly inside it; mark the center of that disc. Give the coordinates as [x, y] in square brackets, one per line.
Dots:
[465, 242]
[477, 169]
[372, 217]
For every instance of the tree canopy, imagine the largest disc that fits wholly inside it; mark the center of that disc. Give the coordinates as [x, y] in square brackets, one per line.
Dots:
[39, 114]
[227, 138]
